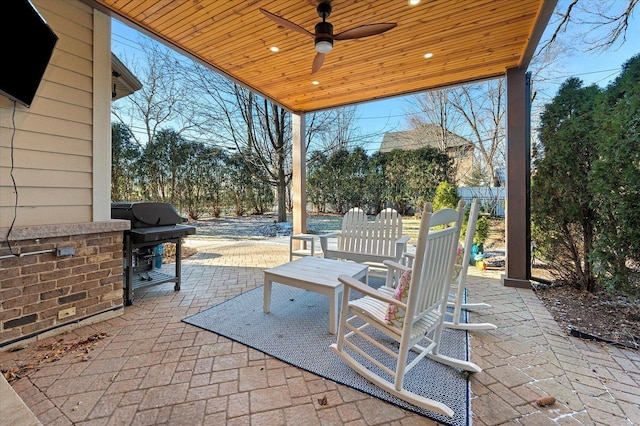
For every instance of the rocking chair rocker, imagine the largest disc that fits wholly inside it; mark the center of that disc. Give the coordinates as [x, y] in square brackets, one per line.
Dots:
[456, 295]
[413, 314]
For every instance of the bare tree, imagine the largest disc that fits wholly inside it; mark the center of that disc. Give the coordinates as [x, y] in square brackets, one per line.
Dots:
[595, 24]
[482, 105]
[163, 102]
[339, 131]
[199, 104]
[435, 107]
[601, 24]
[474, 112]
[256, 128]
[434, 117]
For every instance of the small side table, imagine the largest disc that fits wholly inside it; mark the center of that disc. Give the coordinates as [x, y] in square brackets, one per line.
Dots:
[318, 275]
[307, 248]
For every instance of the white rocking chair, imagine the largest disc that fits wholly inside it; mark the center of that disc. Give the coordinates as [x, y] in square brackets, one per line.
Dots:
[456, 294]
[409, 317]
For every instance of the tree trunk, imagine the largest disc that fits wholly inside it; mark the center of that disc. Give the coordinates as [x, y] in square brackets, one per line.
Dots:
[282, 195]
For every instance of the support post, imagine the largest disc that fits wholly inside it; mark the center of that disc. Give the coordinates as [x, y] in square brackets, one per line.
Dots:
[101, 158]
[518, 133]
[299, 171]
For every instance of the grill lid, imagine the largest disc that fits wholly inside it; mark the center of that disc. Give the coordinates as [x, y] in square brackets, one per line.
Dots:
[145, 214]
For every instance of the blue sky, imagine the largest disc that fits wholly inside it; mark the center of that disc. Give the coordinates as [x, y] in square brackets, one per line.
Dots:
[596, 67]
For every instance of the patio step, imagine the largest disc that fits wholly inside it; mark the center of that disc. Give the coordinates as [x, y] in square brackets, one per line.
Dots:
[14, 411]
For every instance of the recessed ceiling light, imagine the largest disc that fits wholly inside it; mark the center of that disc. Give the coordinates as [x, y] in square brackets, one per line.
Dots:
[428, 55]
[274, 49]
[315, 82]
[414, 2]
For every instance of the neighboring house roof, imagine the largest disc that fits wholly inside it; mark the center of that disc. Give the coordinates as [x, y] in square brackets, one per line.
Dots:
[429, 135]
[123, 82]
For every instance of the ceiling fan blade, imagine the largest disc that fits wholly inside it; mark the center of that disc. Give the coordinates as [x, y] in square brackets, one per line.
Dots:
[365, 31]
[317, 62]
[285, 23]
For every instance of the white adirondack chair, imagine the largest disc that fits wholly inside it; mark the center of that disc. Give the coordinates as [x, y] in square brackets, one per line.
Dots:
[364, 241]
[456, 294]
[417, 318]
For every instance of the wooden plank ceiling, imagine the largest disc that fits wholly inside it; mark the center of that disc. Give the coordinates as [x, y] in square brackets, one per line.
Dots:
[469, 40]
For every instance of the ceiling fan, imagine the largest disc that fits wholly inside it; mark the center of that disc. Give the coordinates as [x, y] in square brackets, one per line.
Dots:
[324, 36]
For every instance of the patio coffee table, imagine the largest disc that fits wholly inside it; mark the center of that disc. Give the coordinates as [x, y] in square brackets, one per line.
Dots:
[314, 274]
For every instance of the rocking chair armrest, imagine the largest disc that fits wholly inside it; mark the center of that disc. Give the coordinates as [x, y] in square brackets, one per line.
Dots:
[390, 264]
[329, 235]
[324, 239]
[394, 273]
[352, 283]
[409, 258]
[401, 246]
[403, 240]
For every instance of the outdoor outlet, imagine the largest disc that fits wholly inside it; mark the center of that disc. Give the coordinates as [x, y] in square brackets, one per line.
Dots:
[65, 251]
[66, 312]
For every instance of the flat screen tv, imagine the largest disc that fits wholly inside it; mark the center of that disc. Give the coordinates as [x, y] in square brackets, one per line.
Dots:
[26, 45]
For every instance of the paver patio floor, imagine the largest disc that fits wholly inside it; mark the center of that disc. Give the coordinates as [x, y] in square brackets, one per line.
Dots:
[151, 368]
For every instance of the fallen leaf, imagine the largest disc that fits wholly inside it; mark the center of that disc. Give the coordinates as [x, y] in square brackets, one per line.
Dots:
[546, 400]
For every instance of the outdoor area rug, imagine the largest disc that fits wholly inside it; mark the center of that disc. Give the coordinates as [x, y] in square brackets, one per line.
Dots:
[296, 331]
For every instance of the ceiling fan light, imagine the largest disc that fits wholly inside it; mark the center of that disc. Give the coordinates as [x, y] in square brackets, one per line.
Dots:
[324, 45]
[324, 37]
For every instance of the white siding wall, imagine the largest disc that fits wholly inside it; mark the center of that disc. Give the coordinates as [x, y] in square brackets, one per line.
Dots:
[53, 140]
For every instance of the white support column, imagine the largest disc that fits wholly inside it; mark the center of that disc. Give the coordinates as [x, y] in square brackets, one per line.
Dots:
[299, 179]
[101, 116]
